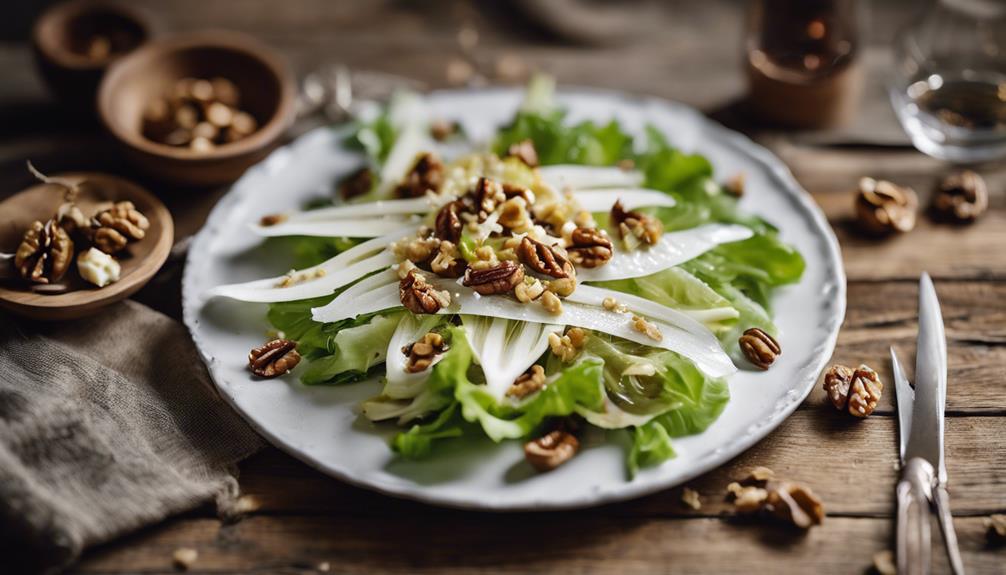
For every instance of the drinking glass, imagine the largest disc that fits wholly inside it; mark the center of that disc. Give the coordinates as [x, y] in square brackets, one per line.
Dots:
[949, 85]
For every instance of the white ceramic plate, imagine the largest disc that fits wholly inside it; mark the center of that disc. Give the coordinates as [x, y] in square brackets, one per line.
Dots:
[321, 425]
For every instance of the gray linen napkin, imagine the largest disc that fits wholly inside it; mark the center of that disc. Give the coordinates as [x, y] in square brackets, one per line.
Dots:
[107, 424]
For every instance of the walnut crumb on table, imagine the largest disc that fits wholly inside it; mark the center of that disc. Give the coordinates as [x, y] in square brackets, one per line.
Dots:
[184, 558]
[690, 498]
[883, 563]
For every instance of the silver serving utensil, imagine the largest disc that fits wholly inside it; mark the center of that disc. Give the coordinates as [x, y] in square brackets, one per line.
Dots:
[922, 488]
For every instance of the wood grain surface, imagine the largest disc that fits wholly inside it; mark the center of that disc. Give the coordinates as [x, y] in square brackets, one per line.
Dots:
[309, 523]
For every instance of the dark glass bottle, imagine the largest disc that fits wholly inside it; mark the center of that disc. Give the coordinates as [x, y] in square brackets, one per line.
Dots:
[802, 61]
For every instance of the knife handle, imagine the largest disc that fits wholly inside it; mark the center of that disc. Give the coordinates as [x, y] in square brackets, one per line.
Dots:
[942, 501]
[914, 544]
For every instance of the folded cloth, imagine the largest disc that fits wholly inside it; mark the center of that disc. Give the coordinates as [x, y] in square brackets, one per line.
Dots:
[107, 424]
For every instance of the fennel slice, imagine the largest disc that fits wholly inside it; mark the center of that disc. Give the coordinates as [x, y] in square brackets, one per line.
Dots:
[401, 383]
[349, 228]
[699, 345]
[673, 248]
[579, 177]
[505, 348]
[601, 200]
[315, 280]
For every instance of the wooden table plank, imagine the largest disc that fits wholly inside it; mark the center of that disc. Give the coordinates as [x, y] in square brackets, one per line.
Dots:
[558, 543]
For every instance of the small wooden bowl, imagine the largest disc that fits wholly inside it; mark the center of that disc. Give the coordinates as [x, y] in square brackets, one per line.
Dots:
[139, 262]
[268, 92]
[61, 39]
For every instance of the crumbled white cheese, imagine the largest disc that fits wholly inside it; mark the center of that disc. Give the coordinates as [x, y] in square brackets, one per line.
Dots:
[97, 267]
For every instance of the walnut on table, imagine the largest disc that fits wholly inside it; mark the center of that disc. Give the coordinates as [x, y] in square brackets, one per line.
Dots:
[883, 207]
[857, 391]
[760, 493]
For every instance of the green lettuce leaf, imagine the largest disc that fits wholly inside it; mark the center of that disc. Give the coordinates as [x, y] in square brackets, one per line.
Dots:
[375, 138]
[354, 351]
[337, 352]
[651, 445]
[417, 442]
[675, 288]
[668, 169]
[556, 142]
[450, 385]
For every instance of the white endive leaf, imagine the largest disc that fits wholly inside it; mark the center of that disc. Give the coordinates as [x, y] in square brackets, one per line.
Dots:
[368, 218]
[690, 338]
[403, 384]
[379, 208]
[582, 177]
[595, 296]
[505, 348]
[631, 198]
[318, 280]
[673, 248]
[336, 228]
[271, 291]
[412, 141]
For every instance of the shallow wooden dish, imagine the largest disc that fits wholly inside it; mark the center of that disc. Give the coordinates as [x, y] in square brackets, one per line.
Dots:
[59, 40]
[140, 261]
[268, 92]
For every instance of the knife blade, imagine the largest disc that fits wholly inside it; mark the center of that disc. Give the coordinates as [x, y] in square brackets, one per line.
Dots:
[905, 396]
[926, 437]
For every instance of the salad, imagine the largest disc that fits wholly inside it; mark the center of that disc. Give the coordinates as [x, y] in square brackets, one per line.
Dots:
[560, 276]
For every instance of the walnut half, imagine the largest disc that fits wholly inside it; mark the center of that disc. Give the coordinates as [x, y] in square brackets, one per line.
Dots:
[883, 207]
[418, 296]
[45, 253]
[543, 259]
[500, 278]
[857, 391]
[760, 348]
[551, 450]
[589, 248]
[274, 358]
[634, 227]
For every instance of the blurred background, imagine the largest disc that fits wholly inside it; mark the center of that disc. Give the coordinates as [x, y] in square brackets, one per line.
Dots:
[687, 51]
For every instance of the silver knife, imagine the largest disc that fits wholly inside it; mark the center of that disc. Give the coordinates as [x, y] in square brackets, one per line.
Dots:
[922, 487]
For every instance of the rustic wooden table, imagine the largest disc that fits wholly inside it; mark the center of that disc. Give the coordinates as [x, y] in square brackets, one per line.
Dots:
[308, 522]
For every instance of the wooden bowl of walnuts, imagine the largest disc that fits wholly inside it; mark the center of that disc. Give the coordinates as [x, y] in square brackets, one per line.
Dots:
[75, 42]
[76, 242]
[198, 109]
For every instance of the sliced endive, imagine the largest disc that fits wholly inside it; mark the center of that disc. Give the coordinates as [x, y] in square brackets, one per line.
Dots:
[673, 248]
[578, 177]
[505, 348]
[322, 279]
[371, 219]
[403, 384]
[686, 336]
